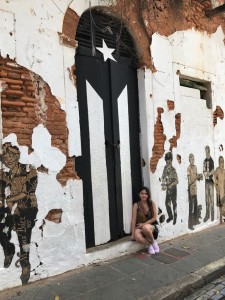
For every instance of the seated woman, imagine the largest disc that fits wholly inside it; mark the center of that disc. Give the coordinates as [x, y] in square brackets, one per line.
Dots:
[144, 221]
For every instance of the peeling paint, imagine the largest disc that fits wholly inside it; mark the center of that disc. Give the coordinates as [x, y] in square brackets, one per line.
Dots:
[218, 113]
[54, 215]
[72, 76]
[173, 141]
[159, 139]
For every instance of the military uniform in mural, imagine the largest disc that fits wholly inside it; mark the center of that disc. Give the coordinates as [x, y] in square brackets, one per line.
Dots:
[193, 177]
[169, 183]
[6, 224]
[208, 170]
[20, 206]
[219, 181]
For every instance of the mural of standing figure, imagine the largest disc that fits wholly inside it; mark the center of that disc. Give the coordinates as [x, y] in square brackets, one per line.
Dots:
[6, 224]
[169, 184]
[208, 170]
[20, 207]
[193, 177]
[219, 181]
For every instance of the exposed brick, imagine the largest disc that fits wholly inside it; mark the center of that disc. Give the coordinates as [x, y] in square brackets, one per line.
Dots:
[28, 99]
[21, 111]
[3, 73]
[30, 104]
[12, 103]
[12, 114]
[159, 140]
[173, 140]
[13, 92]
[170, 104]
[27, 130]
[27, 109]
[12, 81]
[14, 75]
[70, 23]
[15, 87]
[25, 142]
[54, 215]
[218, 113]
[13, 125]
[30, 88]
[26, 76]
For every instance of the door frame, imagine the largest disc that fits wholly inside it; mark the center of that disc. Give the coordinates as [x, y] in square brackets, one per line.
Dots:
[145, 152]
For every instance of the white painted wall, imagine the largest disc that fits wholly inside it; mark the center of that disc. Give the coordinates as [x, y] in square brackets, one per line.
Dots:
[34, 44]
[199, 56]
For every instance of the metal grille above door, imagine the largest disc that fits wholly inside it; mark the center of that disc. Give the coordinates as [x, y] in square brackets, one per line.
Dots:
[95, 26]
[110, 165]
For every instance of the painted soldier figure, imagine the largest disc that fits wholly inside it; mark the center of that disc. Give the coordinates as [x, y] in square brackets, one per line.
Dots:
[169, 183]
[219, 181]
[193, 177]
[6, 224]
[21, 203]
[208, 170]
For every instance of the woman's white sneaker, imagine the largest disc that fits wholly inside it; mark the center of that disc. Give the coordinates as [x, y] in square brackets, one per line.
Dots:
[151, 249]
[155, 247]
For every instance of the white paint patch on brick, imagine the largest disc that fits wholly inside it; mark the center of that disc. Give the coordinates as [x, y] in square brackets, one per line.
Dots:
[50, 157]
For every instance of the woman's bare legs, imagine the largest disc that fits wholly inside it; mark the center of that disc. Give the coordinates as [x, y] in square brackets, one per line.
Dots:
[145, 236]
[147, 230]
[139, 236]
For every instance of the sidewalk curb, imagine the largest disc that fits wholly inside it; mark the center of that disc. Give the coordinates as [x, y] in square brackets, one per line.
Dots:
[190, 283]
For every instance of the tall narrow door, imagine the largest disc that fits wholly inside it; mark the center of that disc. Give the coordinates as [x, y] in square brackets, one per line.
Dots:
[110, 165]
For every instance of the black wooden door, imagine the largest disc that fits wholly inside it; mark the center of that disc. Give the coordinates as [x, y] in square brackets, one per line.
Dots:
[107, 79]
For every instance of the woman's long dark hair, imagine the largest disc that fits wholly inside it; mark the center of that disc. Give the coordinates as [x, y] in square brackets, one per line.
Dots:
[149, 199]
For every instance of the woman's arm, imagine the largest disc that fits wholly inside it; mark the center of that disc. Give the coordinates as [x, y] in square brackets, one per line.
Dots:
[133, 221]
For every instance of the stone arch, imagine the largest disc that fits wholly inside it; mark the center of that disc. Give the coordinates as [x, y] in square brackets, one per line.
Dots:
[131, 19]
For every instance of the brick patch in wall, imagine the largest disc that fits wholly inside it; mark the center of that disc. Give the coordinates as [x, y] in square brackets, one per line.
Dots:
[54, 215]
[70, 23]
[173, 140]
[218, 113]
[159, 141]
[26, 101]
[170, 104]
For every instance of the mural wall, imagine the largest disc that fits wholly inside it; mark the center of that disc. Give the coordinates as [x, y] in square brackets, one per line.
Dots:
[182, 133]
[199, 139]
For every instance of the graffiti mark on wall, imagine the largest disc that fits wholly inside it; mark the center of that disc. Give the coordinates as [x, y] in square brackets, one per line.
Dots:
[18, 208]
[208, 170]
[193, 177]
[169, 184]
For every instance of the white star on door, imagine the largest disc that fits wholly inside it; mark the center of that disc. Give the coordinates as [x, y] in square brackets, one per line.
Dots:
[107, 52]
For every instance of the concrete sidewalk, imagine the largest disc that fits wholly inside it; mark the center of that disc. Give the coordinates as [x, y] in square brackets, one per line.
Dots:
[184, 265]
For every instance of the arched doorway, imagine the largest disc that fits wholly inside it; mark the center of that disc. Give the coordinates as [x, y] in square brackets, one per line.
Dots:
[110, 165]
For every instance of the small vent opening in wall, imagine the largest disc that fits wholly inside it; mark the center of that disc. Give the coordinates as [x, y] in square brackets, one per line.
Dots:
[203, 86]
